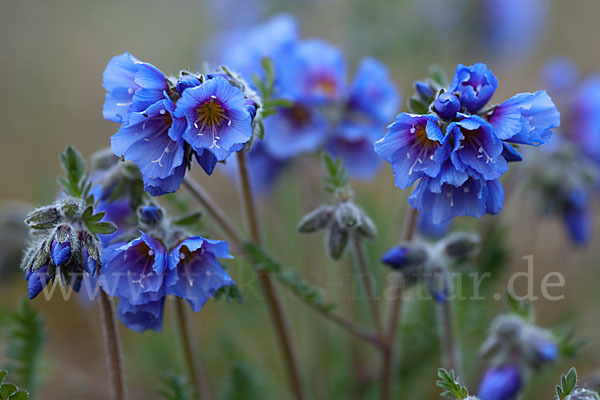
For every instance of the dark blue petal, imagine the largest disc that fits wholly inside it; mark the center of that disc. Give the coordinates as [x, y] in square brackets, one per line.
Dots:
[170, 184]
[207, 161]
[510, 153]
[501, 383]
[37, 281]
[60, 252]
[186, 81]
[475, 85]
[140, 318]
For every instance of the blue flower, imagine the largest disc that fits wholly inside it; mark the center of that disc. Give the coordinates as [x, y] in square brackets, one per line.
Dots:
[153, 141]
[187, 81]
[475, 86]
[444, 201]
[373, 92]
[576, 217]
[142, 317]
[313, 72]
[131, 86]
[135, 270]
[426, 227]
[414, 146]
[526, 118]
[295, 130]
[447, 105]
[477, 148]
[560, 74]
[585, 127]
[118, 212]
[60, 252]
[194, 273]
[354, 144]
[500, 383]
[217, 119]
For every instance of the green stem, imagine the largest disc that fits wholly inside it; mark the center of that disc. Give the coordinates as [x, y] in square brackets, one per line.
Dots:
[273, 301]
[365, 275]
[396, 288]
[450, 355]
[113, 348]
[196, 374]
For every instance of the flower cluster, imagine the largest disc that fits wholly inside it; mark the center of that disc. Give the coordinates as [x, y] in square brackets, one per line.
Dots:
[167, 121]
[142, 272]
[64, 245]
[324, 110]
[514, 347]
[457, 149]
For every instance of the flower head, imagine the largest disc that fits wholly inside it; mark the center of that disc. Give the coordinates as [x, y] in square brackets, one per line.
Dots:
[475, 86]
[142, 317]
[217, 119]
[194, 273]
[354, 144]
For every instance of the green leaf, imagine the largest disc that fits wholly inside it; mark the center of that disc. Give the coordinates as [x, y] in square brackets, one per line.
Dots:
[288, 278]
[230, 293]
[242, 384]
[3, 374]
[6, 390]
[189, 220]
[521, 308]
[337, 175]
[568, 345]
[102, 228]
[25, 338]
[175, 387]
[451, 385]
[19, 395]
[438, 75]
[417, 106]
[567, 384]
[74, 166]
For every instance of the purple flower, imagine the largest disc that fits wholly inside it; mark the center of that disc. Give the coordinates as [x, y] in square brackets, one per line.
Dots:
[500, 383]
[447, 105]
[194, 273]
[217, 119]
[474, 85]
[313, 72]
[373, 93]
[37, 280]
[414, 146]
[142, 317]
[153, 141]
[131, 86]
[135, 270]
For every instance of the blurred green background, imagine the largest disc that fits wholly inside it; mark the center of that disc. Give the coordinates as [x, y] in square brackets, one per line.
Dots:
[52, 57]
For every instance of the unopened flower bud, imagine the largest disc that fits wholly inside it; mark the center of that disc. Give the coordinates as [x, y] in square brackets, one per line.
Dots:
[315, 220]
[186, 81]
[447, 105]
[424, 90]
[347, 215]
[583, 394]
[404, 256]
[538, 347]
[366, 227]
[460, 246]
[500, 383]
[336, 240]
[60, 251]
[43, 218]
[150, 215]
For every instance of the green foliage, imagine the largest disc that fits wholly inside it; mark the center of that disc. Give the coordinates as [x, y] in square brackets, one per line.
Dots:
[189, 220]
[230, 293]
[337, 176]
[438, 76]
[8, 391]
[175, 387]
[417, 106]
[242, 384]
[92, 221]
[521, 308]
[451, 385]
[25, 337]
[288, 278]
[494, 253]
[76, 183]
[568, 345]
[567, 384]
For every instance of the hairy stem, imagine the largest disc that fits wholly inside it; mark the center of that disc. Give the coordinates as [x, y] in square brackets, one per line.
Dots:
[273, 301]
[365, 275]
[113, 348]
[396, 288]
[196, 373]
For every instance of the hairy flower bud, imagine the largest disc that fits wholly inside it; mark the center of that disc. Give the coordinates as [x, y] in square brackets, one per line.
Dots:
[347, 215]
[43, 218]
[336, 239]
[461, 246]
[366, 227]
[315, 220]
[583, 394]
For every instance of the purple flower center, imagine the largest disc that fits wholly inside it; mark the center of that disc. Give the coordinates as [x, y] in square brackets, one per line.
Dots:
[298, 114]
[324, 84]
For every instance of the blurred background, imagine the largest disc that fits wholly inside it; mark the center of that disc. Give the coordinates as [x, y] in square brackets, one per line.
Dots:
[53, 56]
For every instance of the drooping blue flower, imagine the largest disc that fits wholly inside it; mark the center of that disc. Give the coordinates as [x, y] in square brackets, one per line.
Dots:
[585, 124]
[526, 118]
[60, 251]
[295, 130]
[427, 228]
[135, 270]
[414, 146]
[37, 280]
[373, 93]
[142, 317]
[475, 86]
[500, 383]
[313, 72]
[477, 148]
[153, 141]
[354, 144]
[131, 86]
[194, 273]
[217, 118]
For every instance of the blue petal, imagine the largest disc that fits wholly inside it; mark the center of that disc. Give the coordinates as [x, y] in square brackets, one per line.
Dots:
[61, 252]
[510, 153]
[354, 144]
[37, 281]
[140, 318]
[170, 184]
[119, 82]
[502, 383]
[475, 85]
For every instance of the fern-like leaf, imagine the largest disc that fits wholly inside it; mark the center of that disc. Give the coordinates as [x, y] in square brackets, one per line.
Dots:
[243, 384]
[451, 385]
[567, 384]
[25, 337]
[175, 387]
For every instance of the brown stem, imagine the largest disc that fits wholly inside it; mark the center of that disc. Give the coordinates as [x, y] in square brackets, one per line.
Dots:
[273, 301]
[113, 348]
[353, 328]
[361, 260]
[197, 374]
[396, 287]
